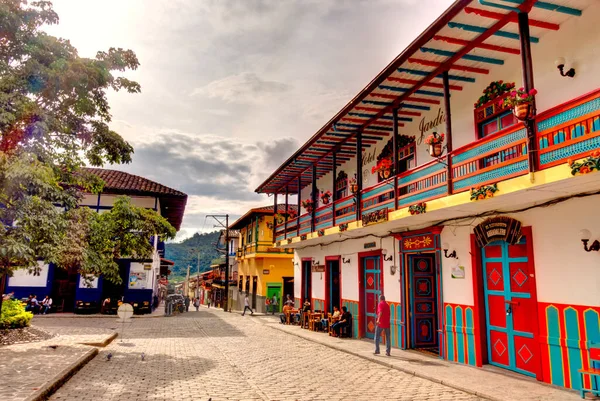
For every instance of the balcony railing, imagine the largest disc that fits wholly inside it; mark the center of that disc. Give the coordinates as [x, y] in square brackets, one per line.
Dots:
[259, 247]
[568, 131]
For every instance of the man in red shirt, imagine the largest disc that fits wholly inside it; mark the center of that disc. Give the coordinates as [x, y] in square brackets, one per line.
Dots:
[383, 324]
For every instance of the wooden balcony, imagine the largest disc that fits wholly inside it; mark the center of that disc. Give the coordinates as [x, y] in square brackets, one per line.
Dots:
[568, 131]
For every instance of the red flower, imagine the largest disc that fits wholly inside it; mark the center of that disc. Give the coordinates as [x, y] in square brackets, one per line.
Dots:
[533, 92]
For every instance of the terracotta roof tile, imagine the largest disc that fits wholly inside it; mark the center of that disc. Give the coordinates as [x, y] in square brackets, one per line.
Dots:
[121, 181]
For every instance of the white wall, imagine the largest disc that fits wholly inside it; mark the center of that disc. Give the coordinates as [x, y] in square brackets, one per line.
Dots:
[349, 249]
[22, 278]
[565, 273]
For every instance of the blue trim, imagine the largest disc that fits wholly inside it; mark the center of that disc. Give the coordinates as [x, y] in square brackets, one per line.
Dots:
[480, 29]
[471, 337]
[503, 7]
[423, 195]
[400, 89]
[434, 168]
[491, 175]
[568, 115]
[425, 73]
[376, 103]
[556, 377]
[491, 145]
[465, 57]
[552, 7]
[414, 106]
[571, 150]
[450, 332]
[460, 340]
[376, 291]
[572, 340]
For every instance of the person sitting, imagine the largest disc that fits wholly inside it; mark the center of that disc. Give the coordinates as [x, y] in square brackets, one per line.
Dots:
[334, 318]
[46, 304]
[344, 322]
[289, 301]
[283, 316]
[305, 309]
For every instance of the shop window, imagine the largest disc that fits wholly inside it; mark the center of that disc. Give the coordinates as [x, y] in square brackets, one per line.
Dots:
[406, 158]
[497, 123]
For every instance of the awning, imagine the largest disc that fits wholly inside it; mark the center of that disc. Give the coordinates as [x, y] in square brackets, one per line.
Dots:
[468, 40]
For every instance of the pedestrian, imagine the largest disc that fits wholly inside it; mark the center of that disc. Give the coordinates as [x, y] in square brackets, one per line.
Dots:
[267, 304]
[247, 306]
[209, 299]
[46, 304]
[187, 303]
[274, 305]
[383, 325]
[197, 303]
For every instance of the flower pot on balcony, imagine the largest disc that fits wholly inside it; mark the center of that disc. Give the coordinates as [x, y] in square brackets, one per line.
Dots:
[385, 173]
[353, 188]
[325, 200]
[522, 111]
[436, 149]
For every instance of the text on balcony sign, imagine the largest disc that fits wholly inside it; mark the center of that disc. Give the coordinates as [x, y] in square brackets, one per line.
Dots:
[425, 126]
[375, 217]
[498, 229]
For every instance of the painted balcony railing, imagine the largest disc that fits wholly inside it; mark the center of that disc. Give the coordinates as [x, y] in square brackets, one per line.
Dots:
[259, 247]
[569, 131]
[288, 230]
[423, 183]
[324, 217]
[500, 156]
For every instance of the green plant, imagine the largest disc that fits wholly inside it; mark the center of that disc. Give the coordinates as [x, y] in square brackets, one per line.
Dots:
[13, 315]
[517, 97]
[419, 208]
[494, 90]
[483, 192]
[589, 164]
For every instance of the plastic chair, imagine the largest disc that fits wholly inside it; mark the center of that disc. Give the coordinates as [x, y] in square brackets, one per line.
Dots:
[593, 372]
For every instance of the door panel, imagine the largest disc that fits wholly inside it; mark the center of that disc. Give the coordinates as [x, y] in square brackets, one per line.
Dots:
[423, 301]
[372, 283]
[511, 307]
[333, 267]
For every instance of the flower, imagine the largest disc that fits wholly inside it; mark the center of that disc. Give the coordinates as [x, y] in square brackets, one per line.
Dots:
[435, 138]
[533, 92]
[569, 162]
[584, 170]
[521, 89]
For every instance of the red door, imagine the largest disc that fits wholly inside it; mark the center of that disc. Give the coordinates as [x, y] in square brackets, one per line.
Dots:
[423, 303]
[511, 307]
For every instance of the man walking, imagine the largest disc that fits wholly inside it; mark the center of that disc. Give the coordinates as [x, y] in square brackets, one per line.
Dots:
[247, 306]
[383, 324]
[187, 303]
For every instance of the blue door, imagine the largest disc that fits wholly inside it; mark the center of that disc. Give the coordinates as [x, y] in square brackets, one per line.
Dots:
[372, 291]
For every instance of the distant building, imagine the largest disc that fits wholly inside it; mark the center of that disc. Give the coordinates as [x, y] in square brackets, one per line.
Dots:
[141, 279]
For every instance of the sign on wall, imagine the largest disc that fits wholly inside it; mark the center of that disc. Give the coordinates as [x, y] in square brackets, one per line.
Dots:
[369, 245]
[458, 272]
[375, 217]
[498, 229]
[318, 269]
[137, 280]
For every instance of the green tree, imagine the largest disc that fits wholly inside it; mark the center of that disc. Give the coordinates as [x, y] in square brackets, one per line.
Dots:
[54, 118]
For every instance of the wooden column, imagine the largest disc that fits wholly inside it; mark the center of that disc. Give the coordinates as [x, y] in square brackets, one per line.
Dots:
[314, 197]
[527, 69]
[287, 210]
[447, 112]
[395, 166]
[274, 219]
[334, 194]
[299, 204]
[359, 178]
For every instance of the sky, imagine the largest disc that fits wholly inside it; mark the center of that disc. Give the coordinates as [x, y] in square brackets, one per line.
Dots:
[231, 88]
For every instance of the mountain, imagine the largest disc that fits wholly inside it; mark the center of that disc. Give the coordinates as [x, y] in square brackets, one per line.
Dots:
[186, 253]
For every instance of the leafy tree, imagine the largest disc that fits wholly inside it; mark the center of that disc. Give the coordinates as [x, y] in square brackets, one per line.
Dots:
[54, 118]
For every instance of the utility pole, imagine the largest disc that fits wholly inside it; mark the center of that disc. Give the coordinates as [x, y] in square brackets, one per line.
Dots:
[198, 278]
[187, 283]
[225, 225]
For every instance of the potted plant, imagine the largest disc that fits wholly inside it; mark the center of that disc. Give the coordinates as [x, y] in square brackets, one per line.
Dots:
[494, 90]
[325, 197]
[291, 214]
[435, 141]
[383, 167]
[521, 102]
[352, 184]
[279, 218]
[308, 205]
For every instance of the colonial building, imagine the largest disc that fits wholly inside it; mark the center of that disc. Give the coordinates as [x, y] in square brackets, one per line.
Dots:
[263, 270]
[141, 279]
[461, 182]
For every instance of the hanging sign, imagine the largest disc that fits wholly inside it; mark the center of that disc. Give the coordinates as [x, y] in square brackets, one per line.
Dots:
[375, 217]
[318, 269]
[498, 229]
[368, 245]
[458, 272]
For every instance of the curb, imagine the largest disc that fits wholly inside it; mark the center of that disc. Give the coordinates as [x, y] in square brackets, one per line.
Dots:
[57, 381]
[392, 366]
[103, 343]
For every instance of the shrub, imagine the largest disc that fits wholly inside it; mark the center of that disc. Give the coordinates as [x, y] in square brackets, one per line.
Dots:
[13, 315]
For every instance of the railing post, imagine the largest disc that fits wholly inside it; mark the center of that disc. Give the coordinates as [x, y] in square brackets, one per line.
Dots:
[287, 211]
[359, 178]
[313, 198]
[334, 194]
[299, 205]
[275, 219]
[395, 169]
[447, 112]
[527, 67]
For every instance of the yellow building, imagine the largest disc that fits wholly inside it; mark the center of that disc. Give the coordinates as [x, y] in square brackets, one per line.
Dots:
[263, 270]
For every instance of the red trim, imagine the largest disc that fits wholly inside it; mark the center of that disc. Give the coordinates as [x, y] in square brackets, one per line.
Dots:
[462, 42]
[429, 84]
[567, 105]
[453, 67]
[479, 330]
[497, 16]
[337, 258]
[528, 233]
[420, 100]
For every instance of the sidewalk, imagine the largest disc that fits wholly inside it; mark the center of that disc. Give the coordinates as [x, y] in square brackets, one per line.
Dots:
[487, 382]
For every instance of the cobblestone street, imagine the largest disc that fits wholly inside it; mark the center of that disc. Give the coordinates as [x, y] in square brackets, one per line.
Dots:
[215, 354]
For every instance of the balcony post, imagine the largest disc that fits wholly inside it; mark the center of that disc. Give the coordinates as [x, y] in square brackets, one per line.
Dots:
[286, 213]
[275, 218]
[334, 194]
[314, 198]
[395, 164]
[359, 177]
[299, 205]
[527, 69]
[448, 116]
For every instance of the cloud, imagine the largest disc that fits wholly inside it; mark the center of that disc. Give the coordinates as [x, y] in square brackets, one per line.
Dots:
[245, 87]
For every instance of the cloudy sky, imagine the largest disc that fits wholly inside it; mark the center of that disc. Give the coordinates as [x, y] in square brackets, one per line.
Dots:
[231, 88]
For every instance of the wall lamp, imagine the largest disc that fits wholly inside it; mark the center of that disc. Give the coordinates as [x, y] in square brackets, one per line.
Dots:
[448, 255]
[585, 237]
[560, 64]
[315, 262]
[384, 252]
[345, 261]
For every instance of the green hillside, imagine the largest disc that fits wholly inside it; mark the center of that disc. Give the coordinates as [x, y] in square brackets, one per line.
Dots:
[186, 253]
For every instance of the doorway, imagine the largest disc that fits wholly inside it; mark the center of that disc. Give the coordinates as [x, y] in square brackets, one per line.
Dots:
[274, 290]
[254, 289]
[306, 281]
[288, 288]
[332, 283]
[423, 302]
[509, 292]
[372, 288]
[63, 288]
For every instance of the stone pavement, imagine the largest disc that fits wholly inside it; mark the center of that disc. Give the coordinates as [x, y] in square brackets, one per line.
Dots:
[492, 383]
[219, 355]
